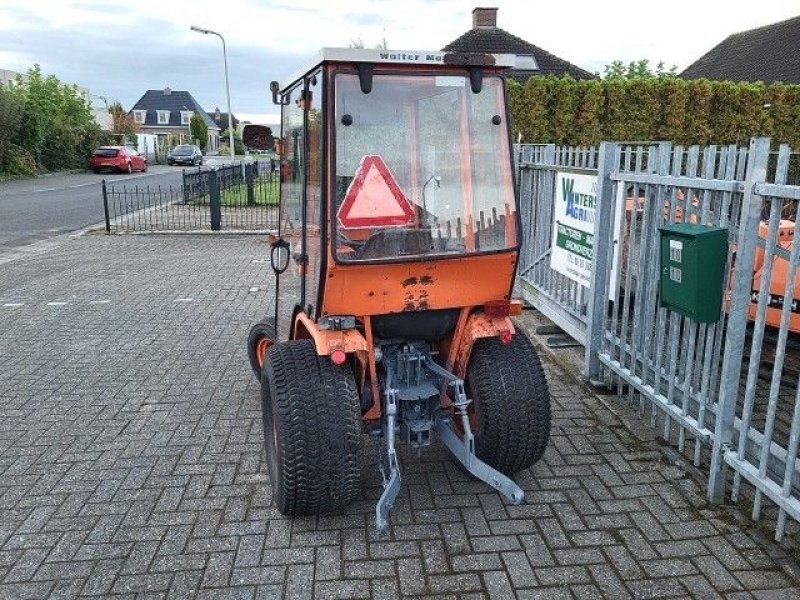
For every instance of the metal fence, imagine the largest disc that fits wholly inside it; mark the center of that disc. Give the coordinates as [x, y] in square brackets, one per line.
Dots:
[237, 197]
[725, 392]
[555, 295]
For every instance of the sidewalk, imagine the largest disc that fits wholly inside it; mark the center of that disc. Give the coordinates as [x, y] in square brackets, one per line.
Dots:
[132, 464]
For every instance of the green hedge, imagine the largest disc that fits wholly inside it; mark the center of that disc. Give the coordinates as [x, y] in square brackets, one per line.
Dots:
[561, 110]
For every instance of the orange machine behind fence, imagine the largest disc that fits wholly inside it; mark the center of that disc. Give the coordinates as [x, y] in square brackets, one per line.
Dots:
[780, 266]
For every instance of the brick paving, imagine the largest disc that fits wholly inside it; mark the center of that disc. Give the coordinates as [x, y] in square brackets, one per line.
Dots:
[132, 466]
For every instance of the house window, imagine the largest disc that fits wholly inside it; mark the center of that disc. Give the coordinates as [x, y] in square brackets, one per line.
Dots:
[163, 117]
[139, 116]
[186, 116]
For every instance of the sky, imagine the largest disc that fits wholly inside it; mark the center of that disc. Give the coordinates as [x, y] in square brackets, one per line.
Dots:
[121, 49]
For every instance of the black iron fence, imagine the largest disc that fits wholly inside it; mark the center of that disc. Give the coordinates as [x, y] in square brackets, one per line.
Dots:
[236, 197]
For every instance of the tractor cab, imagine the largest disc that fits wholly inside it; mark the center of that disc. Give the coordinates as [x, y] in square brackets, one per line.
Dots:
[394, 265]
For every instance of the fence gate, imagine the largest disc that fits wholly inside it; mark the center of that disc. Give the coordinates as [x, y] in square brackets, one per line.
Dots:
[560, 298]
[727, 393]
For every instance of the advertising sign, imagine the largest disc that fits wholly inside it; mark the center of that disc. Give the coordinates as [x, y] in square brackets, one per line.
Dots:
[573, 228]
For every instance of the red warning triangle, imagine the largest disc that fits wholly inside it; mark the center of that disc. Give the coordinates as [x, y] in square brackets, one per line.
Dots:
[374, 199]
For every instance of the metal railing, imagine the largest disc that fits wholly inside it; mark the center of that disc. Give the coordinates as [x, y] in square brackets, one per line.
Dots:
[726, 392]
[232, 198]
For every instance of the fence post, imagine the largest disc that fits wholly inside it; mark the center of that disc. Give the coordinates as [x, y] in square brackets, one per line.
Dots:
[603, 238]
[750, 216]
[105, 207]
[214, 200]
[248, 181]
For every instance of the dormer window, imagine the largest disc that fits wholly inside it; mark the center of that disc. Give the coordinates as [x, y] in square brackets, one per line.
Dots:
[526, 62]
[186, 116]
[163, 117]
[139, 116]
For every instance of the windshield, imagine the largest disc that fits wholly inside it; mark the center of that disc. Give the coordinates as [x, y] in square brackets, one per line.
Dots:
[422, 167]
[106, 152]
[183, 150]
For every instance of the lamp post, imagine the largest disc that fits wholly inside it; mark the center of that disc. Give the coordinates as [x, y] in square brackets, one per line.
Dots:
[227, 85]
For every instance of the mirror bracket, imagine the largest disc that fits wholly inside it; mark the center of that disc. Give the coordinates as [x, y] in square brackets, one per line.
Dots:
[365, 77]
[475, 79]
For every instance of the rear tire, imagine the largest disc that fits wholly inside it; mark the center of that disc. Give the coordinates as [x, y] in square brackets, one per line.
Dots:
[312, 426]
[262, 336]
[512, 403]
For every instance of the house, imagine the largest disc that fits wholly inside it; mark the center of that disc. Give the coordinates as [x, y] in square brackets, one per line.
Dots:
[221, 119]
[485, 36]
[768, 54]
[168, 112]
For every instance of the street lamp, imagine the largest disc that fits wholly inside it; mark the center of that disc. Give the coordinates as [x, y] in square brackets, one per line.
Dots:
[227, 85]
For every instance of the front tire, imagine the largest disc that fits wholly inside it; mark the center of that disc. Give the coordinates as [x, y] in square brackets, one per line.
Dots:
[512, 403]
[312, 428]
[262, 335]
[129, 169]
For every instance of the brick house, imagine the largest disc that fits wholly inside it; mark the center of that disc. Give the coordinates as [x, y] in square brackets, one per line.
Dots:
[168, 112]
[769, 54]
[485, 36]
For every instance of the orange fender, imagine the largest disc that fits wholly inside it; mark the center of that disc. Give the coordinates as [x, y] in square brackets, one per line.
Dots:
[479, 326]
[328, 341]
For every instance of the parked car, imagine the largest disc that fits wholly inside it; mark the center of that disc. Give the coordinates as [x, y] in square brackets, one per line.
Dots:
[185, 154]
[118, 158]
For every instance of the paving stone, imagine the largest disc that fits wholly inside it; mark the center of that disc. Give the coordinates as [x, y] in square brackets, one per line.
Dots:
[132, 465]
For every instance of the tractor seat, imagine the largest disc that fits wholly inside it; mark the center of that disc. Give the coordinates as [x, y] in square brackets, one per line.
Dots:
[391, 243]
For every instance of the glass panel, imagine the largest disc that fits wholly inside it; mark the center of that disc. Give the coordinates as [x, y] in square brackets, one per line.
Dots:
[422, 167]
[313, 240]
[291, 220]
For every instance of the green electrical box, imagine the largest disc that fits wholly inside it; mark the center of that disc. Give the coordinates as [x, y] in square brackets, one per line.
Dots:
[693, 259]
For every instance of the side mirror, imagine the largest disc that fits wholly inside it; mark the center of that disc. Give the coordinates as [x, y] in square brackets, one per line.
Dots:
[279, 256]
[274, 87]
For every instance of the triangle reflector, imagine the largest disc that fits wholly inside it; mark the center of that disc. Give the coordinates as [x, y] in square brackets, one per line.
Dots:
[374, 199]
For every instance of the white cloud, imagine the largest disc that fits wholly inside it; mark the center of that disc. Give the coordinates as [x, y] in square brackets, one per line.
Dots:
[270, 39]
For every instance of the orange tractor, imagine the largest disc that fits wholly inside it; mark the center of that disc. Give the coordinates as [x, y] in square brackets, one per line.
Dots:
[395, 262]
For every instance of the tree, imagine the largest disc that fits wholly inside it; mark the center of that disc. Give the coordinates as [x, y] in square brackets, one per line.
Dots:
[121, 121]
[238, 146]
[638, 69]
[199, 131]
[10, 121]
[57, 125]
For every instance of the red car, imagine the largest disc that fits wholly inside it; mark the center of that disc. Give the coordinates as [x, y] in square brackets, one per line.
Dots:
[119, 158]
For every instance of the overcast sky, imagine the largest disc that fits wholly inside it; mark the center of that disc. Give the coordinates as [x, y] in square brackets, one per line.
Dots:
[120, 49]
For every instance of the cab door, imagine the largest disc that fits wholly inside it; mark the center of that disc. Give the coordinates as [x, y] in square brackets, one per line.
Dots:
[301, 199]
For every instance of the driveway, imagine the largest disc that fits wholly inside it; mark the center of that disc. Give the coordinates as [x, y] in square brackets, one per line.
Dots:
[132, 464]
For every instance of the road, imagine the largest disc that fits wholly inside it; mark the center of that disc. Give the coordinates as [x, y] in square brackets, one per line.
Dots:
[36, 209]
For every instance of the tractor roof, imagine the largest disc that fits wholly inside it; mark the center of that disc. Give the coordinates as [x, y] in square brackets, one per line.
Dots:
[401, 57]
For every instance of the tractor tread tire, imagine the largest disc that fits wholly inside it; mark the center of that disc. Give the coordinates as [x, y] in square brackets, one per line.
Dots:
[314, 467]
[264, 328]
[512, 403]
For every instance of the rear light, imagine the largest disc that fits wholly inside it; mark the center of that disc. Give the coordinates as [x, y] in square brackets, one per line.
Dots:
[495, 309]
[506, 337]
[338, 357]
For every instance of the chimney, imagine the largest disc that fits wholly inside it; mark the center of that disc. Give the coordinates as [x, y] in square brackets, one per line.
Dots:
[167, 91]
[484, 17]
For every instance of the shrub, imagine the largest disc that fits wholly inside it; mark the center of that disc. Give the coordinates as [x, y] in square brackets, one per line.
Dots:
[18, 162]
[652, 107]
